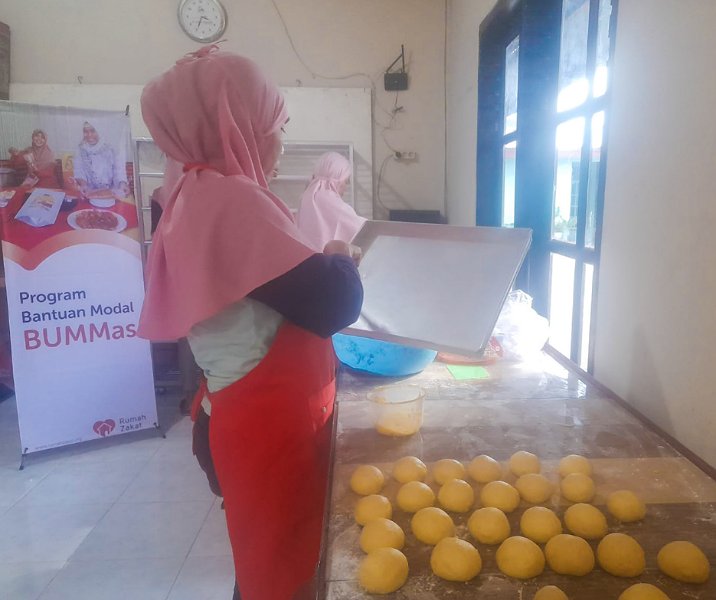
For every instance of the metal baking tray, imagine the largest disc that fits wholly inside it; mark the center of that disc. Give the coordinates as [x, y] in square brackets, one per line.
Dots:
[436, 286]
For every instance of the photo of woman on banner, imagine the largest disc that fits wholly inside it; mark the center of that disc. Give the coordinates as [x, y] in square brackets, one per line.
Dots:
[230, 270]
[98, 169]
[39, 161]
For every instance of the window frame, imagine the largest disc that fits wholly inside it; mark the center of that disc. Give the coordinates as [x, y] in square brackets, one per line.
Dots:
[538, 23]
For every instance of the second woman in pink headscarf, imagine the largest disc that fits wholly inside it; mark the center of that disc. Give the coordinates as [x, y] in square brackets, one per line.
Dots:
[322, 213]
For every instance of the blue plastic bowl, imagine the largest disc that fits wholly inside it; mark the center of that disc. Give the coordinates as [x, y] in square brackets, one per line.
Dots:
[381, 358]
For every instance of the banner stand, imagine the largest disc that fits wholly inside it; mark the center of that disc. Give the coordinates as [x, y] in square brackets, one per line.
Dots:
[71, 247]
[25, 453]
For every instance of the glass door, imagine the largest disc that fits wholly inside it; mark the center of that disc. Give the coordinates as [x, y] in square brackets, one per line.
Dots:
[578, 147]
[509, 137]
[542, 112]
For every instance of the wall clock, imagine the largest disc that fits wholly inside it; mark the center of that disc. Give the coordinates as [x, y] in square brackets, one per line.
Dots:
[202, 20]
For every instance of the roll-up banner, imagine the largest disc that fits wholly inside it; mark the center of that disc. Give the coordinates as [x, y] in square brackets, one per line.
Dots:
[73, 275]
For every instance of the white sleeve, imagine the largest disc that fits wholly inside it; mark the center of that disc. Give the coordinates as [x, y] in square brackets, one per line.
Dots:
[77, 167]
[120, 166]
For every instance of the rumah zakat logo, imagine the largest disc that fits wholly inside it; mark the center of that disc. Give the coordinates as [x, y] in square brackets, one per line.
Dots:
[104, 428]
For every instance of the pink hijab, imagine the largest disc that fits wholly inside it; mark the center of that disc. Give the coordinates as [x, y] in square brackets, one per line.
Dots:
[222, 233]
[322, 214]
[173, 171]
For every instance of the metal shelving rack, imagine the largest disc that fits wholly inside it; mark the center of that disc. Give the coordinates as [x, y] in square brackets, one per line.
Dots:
[149, 167]
[295, 170]
[148, 175]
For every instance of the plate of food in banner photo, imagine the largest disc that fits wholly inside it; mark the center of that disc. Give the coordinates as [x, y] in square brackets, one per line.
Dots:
[93, 218]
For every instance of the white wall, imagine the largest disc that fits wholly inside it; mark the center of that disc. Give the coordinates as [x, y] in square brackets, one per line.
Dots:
[128, 42]
[656, 336]
[463, 23]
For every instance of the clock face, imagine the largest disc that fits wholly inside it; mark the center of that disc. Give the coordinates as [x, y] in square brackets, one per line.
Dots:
[202, 20]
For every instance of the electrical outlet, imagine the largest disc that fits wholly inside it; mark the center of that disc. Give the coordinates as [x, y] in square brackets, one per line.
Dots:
[400, 155]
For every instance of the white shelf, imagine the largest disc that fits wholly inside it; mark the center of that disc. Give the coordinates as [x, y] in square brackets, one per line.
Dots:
[297, 163]
[292, 178]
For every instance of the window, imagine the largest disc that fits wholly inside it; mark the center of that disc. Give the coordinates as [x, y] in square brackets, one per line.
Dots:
[547, 62]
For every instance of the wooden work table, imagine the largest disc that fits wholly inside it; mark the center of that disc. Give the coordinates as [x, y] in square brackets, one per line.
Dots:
[542, 408]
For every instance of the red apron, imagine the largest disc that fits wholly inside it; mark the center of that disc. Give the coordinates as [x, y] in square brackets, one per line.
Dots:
[270, 439]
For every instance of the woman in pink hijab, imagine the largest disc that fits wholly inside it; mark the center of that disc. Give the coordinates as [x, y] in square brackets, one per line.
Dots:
[230, 270]
[39, 160]
[322, 213]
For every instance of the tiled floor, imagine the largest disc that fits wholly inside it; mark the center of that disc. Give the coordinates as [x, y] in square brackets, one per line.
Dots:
[127, 518]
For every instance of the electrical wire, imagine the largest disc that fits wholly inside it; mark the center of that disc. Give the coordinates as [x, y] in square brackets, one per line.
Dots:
[380, 180]
[305, 64]
[318, 75]
[379, 200]
[392, 114]
[389, 127]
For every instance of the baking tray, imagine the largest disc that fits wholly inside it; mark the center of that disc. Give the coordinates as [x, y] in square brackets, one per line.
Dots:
[436, 286]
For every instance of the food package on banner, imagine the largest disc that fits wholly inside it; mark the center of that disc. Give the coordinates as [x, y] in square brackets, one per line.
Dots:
[41, 208]
[520, 330]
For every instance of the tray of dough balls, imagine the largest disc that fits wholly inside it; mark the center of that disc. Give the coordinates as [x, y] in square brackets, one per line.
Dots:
[522, 529]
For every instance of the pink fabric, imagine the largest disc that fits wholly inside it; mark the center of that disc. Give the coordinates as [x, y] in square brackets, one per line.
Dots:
[322, 214]
[222, 233]
[173, 171]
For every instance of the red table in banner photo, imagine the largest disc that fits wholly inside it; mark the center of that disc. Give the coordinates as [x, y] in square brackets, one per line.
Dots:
[37, 222]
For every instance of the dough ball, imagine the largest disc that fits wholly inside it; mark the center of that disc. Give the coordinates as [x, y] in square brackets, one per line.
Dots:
[431, 524]
[575, 463]
[569, 555]
[550, 592]
[621, 555]
[643, 591]
[383, 571]
[683, 561]
[534, 488]
[414, 495]
[381, 533]
[489, 525]
[484, 469]
[373, 507]
[457, 496]
[577, 487]
[520, 558]
[523, 462]
[446, 469]
[455, 560]
[540, 524]
[586, 521]
[626, 506]
[500, 495]
[409, 468]
[367, 480]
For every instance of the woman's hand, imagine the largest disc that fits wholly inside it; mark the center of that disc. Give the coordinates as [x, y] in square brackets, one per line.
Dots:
[341, 247]
[356, 254]
[337, 247]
